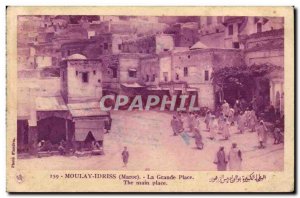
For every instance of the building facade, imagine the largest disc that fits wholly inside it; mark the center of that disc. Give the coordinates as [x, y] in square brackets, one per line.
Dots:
[268, 48]
[81, 79]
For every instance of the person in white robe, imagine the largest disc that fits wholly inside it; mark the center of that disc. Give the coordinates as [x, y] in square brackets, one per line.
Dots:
[235, 158]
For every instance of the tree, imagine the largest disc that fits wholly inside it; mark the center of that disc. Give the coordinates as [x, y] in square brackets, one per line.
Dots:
[240, 77]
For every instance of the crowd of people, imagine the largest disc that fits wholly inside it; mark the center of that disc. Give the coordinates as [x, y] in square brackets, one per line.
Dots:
[246, 119]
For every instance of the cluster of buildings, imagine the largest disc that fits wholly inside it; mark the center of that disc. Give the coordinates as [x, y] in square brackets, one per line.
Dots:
[67, 63]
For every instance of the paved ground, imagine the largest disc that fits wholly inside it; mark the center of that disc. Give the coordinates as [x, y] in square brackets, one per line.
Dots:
[151, 145]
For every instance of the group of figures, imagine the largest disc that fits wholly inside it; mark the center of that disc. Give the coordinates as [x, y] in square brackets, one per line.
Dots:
[222, 124]
[66, 149]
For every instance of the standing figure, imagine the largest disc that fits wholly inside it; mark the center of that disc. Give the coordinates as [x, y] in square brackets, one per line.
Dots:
[213, 128]
[61, 148]
[237, 107]
[125, 156]
[241, 122]
[252, 120]
[254, 104]
[198, 139]
[190, 121]
[262, 134]
[226, 129]
[197, 122]
[207, 120]
[175, 125]
[225, 108]
[277, 133]
[247, 117]
[221, 160]
[180, 124]
[235, 158]
[221, 122]
[231, 116]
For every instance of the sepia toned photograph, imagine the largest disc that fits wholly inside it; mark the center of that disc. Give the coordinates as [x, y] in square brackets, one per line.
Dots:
[150, 93]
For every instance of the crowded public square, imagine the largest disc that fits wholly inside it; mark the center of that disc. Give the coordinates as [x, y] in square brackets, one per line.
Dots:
[152, 145]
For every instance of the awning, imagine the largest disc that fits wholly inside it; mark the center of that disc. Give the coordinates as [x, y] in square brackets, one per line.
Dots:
[192, 89]
[178, 89]
[86, 109]
[81, 134]
[132, 69]
[46, 114]
[51, 106]
[84, 126]
[132, 85]
[50, 103]
[154, 88]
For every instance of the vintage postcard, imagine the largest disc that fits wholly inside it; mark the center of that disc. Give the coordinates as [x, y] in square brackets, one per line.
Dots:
[150, 99]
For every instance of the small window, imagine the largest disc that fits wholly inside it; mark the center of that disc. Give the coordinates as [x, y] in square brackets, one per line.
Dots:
[177, 76]
[85, 77]
[259, 27]
[185, 72]
[236, 45]
[114, 72]
[132, 73]
[165, 74]
[120, 46]
[206, 75]
[217, 30]
[105, 46]
[153, 77]
[94, 72]
[189, 56]
[230, 30]
[76, 73]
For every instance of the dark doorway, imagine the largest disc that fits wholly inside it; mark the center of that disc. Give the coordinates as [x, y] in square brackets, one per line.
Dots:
[22, 136]
[52, 129]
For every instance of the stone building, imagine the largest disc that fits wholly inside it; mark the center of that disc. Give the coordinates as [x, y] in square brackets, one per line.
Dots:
[81, 79]
[194, 67]
[237, 27]
[268, 48]
[81, 89]
[153, 44]
[39, 105]
[212, 31]
[225, 32]
[95, 46]
[121, 73]
[184, 34]
[150, 70]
